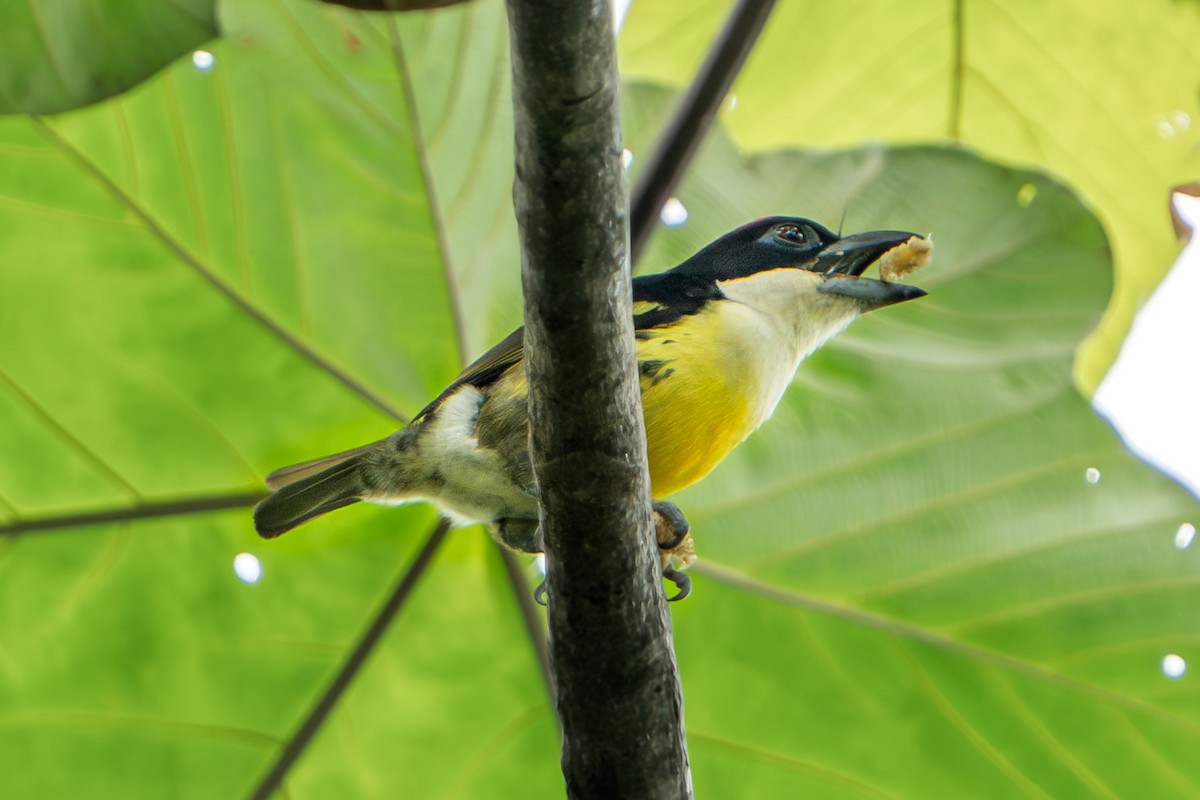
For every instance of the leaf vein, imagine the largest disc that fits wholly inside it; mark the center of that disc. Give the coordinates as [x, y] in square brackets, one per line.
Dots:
[874, 458]
[1124, 591]
[969, 728]
[942, 571]
[474, 765]
[1052, 742]
[104, 720]
[336, 78]
[237, 206]
[235, 297]
[44, 37]
[943, 502]
[190, 188]
[939, 639]
[823, 774]
[70, 439]
[453, 291]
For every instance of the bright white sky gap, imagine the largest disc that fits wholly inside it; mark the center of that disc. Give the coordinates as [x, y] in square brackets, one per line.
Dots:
[1151, 394]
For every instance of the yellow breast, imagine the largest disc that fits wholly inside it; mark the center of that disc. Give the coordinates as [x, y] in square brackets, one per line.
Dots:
[707, 383]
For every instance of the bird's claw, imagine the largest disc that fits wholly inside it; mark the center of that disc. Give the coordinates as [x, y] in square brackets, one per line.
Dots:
[682, 582]
[671, 530]
[670, 526]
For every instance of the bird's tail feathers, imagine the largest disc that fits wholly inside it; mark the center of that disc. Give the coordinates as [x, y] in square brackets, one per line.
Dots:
[308, 490]
[296, 472]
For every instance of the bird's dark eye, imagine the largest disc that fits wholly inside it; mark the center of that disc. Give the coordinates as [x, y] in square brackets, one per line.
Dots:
[790, 233]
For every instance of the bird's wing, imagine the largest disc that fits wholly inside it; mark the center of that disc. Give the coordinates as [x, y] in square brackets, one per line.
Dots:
[485, 369]
[658, 301]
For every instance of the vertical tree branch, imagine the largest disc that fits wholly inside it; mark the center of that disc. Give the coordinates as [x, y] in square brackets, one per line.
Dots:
[616, 682]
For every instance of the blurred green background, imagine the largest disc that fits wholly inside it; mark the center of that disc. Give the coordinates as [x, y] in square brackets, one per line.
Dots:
[934, 574]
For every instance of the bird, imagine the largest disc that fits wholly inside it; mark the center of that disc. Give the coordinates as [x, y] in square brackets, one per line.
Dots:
[718, 340]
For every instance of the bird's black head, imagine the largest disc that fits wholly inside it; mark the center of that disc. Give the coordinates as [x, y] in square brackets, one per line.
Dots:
[768, 243]
[794, 242]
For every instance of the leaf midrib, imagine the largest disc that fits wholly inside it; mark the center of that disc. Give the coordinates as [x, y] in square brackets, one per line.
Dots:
[915, 633]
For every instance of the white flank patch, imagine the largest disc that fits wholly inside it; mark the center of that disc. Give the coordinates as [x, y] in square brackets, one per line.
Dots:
[453, 425]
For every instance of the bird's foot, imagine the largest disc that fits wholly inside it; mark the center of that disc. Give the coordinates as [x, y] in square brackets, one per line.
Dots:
[670, 526]
[673, 533]
[671, 530]
[675, 546]
[519, 533]
[682, 582]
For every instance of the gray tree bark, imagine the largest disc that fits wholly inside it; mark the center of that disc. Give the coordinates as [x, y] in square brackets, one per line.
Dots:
[616, 682]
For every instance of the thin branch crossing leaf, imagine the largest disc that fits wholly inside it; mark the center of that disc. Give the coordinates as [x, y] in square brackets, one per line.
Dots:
[909, 584]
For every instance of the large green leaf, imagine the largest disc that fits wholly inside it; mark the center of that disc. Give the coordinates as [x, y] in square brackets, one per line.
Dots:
[1101, 93]
[67, 53]
[907, 589]
[918, 527]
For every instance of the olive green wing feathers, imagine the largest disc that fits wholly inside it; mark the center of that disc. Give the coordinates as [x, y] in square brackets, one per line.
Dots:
[658, 300]
[484, 370]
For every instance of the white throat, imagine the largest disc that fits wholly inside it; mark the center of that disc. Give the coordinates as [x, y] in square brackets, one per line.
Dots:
[794, 314]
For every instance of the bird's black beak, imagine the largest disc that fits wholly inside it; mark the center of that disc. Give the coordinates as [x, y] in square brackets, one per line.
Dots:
[843, 263]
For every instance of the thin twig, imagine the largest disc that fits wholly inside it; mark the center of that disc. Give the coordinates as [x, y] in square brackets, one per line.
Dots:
[529, 614]
[693, 117]
[371, 637]
[162, 508]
